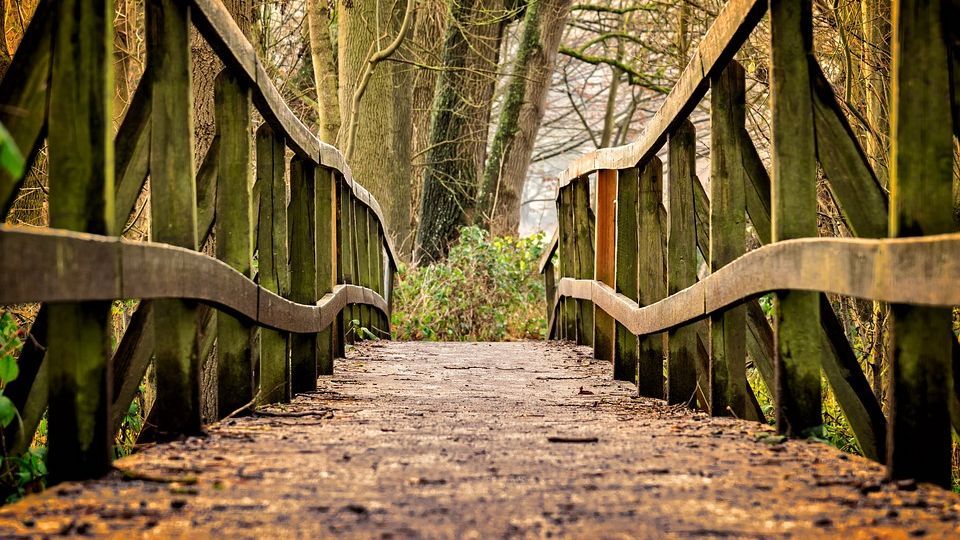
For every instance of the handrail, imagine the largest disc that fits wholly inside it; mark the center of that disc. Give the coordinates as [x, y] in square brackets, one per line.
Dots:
[923, 271]
[221, 31]
[723, 39]
[127, 269]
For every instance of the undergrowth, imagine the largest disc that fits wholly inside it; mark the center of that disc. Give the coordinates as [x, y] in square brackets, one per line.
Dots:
[487, 289]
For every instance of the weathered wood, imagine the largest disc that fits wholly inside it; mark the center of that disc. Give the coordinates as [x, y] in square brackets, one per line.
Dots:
[346, 260]
[550, 287]
[173, 208]
[272, 271]
[130, 361]
[362, 262]
[81, 199]
[726, 35]
[235, 390]
[626, 346]
[567, 260]
[23, 97]
[583, 241]
[326, 205]
[132, 152]
[794, 213]
[727, 393]
[28, 391]
[849, 174]
[301, 216]
[605, 267]
[652, 280]
[682, 259]
[921, 183]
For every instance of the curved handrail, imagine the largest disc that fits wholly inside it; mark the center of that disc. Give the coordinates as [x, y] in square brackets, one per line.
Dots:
[119, 268]
[724, 38]
[218, 27]
[921, 271]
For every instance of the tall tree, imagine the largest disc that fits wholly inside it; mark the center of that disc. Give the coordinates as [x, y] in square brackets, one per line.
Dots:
[520, 116]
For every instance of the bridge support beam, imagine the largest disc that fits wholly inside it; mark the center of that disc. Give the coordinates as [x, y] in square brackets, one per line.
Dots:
[651, 280]
[605, 259]
[625, 352]
[326, 237]
[303, 270]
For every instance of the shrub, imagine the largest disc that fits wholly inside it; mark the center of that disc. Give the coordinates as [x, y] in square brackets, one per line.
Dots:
[487, 289]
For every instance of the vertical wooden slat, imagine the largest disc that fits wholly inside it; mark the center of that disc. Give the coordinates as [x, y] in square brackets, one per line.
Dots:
[682, 260]
[81, 199]
[567, 260]
[605, 254]
[921, 179]
[794, 213]
[272, 273]
[326, 191]
[627, 259]
[584, 256]
[362, 236]
[301, 216]
[651, 272]
[728, 381]
[346, 261]
[550, 287]
[234, 236]
[173, 207]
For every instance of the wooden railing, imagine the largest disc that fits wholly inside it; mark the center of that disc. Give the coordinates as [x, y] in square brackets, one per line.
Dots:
[636, 261]
[324, 262]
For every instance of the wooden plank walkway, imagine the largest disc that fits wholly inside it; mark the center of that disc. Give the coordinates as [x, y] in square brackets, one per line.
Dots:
[484, 440]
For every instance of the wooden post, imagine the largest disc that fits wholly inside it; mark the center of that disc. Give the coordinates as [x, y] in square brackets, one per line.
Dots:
[550, 287]
[605, 254]
[346, 262]
[362, 237]
[682, 260]
[625, 351]
[583, 240]
[651, 273]
[326, 191]
[728, 228]
[234, 233]
[567, 260]
[273, 273]
[173, 207]
[794, 213]
[303, 271]
[81, 199]
[921, 178]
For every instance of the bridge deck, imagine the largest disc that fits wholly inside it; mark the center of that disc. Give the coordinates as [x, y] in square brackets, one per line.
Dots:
[415, 439]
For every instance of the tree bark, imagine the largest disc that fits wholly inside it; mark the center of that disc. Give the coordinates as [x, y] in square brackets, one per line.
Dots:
[459, 125]
[324, 69]
[381, 153]
[520, 116]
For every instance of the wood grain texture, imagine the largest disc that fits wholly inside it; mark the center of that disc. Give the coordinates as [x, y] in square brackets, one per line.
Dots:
[651, 274]
[303, 270]
[794, 213]
[682, 259]
[625, 350]
[727, 381]
[605, 267]
[567, 260]
[80, 142]
[326, 209]
[921, 183]
[132, 152]
[726, 35]
[583, 240]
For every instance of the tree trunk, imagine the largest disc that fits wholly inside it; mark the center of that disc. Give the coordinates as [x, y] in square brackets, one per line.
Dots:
[324, 69]
[520, 116]
[459, 125]
[381, 154]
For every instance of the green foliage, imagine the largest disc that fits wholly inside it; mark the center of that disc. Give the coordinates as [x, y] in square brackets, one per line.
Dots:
[131, 425]
[11, 160]
[487, 289]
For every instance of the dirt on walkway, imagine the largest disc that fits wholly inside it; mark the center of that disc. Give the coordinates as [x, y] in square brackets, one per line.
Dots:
[482, 440]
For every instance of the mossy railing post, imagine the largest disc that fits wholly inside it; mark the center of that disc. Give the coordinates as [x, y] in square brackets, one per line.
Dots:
[794, 213]
[362, 236]
[921, 179]
[346, 260]
[682, 260]
[234, 233]
[583, 241]
[567, 261]
[272, 271]
[81, 199]
[173, 207]
[651, 277]
[605, 265]
[326, 192]
[625, 348]
[728, 228]
[301, 216]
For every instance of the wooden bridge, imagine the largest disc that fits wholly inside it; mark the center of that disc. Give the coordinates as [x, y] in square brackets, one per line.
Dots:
[429, 439]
